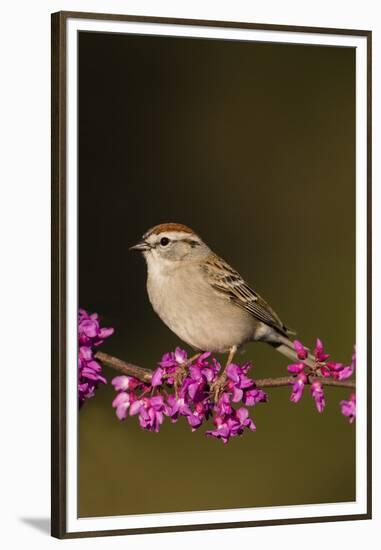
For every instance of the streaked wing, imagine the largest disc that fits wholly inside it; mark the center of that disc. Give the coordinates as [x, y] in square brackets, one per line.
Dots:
[229, 283]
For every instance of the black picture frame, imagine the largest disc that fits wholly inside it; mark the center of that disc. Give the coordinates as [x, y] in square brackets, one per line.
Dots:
[59, 264]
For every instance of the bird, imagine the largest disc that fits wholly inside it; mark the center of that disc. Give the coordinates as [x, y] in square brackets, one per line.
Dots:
[204, 300]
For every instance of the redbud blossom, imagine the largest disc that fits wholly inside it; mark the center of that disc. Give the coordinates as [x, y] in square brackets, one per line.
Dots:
[193, 397]
[348, 407]
[90, 335]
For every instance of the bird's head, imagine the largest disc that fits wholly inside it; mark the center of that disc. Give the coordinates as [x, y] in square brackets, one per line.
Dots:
[171, 243]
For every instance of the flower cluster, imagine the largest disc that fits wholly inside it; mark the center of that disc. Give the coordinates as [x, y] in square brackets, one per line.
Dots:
[186, 387]
[314, 369]
[90, 335]
[198, 389]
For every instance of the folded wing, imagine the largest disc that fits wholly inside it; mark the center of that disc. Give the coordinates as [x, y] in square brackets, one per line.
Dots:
[229, 283]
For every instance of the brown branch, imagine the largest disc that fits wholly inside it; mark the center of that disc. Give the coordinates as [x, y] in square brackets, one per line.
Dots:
[145, 375]
[286, 380]
[123, 367]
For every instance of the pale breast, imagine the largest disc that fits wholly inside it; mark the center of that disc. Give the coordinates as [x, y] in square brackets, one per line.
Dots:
[188, 305]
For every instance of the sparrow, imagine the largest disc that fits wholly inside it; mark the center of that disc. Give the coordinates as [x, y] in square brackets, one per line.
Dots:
[202, 299]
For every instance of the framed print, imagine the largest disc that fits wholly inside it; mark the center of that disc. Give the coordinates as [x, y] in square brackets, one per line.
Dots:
[211, 302]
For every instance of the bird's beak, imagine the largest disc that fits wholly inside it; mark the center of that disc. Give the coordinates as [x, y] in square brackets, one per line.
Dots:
[141, 246]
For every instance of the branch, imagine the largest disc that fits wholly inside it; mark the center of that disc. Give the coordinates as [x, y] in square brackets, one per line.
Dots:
[123, 367]
[145, 375]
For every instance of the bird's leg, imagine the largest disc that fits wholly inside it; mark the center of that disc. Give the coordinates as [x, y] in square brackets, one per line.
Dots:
[221, 380]
[193, 358]
[179, 374]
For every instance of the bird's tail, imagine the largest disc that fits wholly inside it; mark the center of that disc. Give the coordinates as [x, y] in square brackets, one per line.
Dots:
[286, 347]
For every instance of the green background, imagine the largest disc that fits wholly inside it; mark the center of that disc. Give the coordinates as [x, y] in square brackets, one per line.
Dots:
[252, 145]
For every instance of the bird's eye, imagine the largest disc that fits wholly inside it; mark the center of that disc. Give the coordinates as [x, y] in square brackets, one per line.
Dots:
[164, 241]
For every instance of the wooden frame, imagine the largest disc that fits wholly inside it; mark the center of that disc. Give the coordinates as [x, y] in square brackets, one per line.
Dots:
[59, 21]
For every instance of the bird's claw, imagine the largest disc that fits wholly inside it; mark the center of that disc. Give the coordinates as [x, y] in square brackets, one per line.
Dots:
[217, 387]
[179, 376]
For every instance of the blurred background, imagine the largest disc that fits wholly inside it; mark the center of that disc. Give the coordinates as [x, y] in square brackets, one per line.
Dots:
[253, 146]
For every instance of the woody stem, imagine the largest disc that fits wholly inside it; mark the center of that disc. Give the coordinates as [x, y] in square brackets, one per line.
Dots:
[145, 375]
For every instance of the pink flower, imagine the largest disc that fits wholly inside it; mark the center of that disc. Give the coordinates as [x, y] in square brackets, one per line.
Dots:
[337, 371]
[177, 406]
[242, 387]
[254, 396]
[320, 356]
[150, 410]
[197, 383]
[173, 359]
[231, 425]
[298, 388]
[318, 395]
[90, 334]
[200, 412]
[89, 330]
[157, 377]
[301, 351]
[123, 383]
[348, 407]
[193, 398]
[319, 369]
[121, 403]
[168, 365]
[296, 368]
[194, 395]
[180, 356]
[223, 405]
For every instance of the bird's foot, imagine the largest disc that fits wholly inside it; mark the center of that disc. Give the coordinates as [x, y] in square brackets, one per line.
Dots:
[178, 376]
[218, 386]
